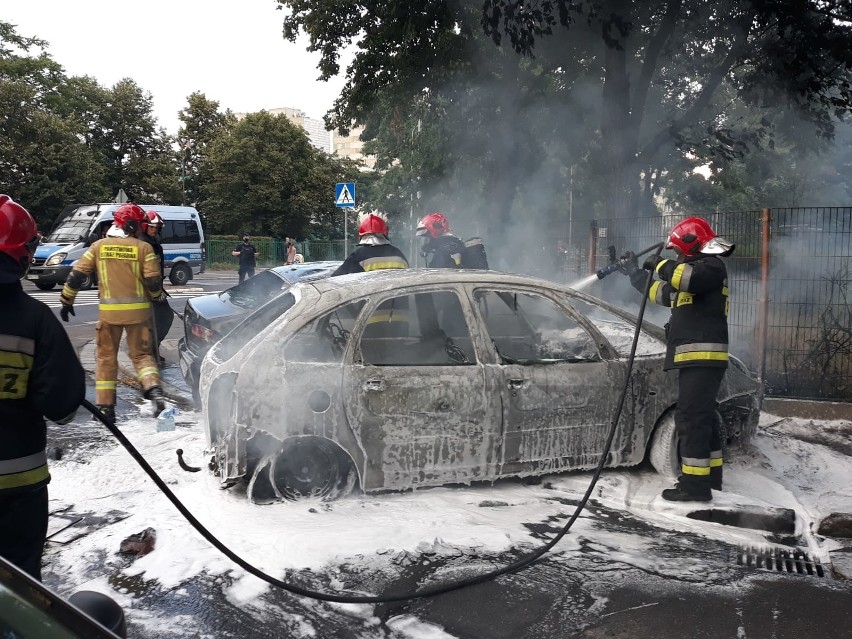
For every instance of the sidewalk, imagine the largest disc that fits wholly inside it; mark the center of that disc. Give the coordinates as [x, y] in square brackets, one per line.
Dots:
[127, 374]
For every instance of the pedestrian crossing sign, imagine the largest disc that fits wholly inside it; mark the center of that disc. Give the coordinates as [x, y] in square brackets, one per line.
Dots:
[344, 194]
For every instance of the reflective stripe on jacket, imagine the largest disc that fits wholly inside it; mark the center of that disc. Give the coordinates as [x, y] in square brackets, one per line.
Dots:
[128, 277]
[697, 292]
[372, 257]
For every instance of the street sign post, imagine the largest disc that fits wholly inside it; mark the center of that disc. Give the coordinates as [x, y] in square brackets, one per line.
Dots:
[344, 198]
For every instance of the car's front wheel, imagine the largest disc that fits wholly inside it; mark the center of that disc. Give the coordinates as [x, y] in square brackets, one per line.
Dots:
[45, 286]
[311, 467]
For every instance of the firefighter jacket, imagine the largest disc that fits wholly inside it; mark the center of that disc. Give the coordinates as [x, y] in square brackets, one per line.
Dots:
[158, 249]
[128, 279]
[444, 251]
[372, 257]
[40, 376]
[697, 292]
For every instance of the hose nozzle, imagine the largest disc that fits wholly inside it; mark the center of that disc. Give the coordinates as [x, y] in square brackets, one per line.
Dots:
[611, 268]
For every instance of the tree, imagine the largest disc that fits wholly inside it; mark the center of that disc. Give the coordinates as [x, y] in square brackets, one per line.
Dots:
[43, 164]
[202, 124]
[626, 89]
[266, 178]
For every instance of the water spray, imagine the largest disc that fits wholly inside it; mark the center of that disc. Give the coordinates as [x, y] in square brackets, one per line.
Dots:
[620, 264]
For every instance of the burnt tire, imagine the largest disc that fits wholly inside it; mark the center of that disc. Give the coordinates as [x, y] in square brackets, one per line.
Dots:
[664, 454]
[311, 467]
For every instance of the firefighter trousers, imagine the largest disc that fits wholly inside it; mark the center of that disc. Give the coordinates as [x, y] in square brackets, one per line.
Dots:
[23, 528]
[163, 318]
[140, 348]
[699, 429]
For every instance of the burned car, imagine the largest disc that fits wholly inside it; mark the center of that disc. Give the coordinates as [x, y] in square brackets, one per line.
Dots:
[395, 380]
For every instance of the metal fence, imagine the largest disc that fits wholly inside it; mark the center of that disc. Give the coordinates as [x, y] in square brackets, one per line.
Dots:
[271, 252]
[791, 315]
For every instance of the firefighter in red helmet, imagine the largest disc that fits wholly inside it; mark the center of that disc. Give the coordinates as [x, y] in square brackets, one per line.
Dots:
[42, 377]
[441, 249]
[695, 287]
[130, 280]
[374, 250]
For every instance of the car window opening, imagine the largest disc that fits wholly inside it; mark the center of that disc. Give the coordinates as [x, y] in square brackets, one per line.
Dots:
[531, 329]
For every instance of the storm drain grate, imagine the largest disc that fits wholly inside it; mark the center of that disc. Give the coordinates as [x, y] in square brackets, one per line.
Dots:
[794, 561]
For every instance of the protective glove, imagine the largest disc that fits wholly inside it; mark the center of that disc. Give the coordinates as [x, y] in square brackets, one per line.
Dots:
[651, 263]
[637, 279]
[630, 263]
[160, 298]
[66, 310]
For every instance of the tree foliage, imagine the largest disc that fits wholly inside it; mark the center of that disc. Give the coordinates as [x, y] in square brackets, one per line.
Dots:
[266, 178]
[68, 140]
[202, 123]
[513, 92]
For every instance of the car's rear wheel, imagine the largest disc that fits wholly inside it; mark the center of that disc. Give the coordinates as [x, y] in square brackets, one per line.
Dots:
[180, 274]
[664, 447]
[45, 286]
[311, 467]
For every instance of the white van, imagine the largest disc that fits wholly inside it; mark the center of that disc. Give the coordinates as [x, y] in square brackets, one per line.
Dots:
[78, 226]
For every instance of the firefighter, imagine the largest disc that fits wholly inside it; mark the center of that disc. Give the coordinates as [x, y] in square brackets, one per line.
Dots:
[152, 225]
[695, 287]
[441, 249]
[41, 377]
[374, 250]
[129, 277]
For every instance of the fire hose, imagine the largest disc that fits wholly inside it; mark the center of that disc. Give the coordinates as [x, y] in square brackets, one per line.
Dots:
[430, 591]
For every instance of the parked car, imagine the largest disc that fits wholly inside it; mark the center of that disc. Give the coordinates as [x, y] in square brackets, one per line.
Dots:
[30, 610]
[394, 380]
[208, 318]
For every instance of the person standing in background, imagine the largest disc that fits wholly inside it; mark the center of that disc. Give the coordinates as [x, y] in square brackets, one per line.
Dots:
[247, 254]
[291, 250]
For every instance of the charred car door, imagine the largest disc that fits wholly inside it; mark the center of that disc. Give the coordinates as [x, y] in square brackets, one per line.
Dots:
[417, 395]
[558, 392]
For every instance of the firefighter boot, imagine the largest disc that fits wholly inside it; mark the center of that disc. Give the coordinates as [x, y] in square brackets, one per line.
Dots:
[680, 493]
[716, 477]
[155, 394]
[108, 410]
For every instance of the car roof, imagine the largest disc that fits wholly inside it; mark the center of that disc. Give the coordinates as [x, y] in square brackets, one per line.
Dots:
[377, 281]
[388, 279]
[292, 272]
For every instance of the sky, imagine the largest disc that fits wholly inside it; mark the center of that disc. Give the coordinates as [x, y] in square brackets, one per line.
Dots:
[373, 531]
[233, 52]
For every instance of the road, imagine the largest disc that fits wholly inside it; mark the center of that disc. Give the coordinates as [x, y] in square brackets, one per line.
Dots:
[620, 575]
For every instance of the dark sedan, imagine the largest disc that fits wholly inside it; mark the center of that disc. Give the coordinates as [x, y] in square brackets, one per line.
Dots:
[208, 318]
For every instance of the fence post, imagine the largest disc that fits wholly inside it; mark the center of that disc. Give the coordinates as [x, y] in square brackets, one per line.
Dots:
[593, 246]
[763, 321]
